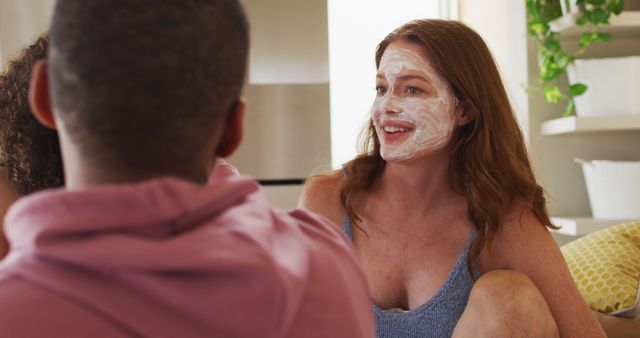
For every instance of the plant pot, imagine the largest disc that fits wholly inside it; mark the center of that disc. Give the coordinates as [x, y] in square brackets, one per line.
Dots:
[569, 7]
[613, 83]
[613, 188]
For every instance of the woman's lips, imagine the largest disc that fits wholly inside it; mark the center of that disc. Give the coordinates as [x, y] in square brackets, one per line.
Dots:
[394, 132]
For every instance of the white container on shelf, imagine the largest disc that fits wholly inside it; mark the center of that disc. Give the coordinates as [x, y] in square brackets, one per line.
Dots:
[613, 83]
[569, 7]
[613, 188]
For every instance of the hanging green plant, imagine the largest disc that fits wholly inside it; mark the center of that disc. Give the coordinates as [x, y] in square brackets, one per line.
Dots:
[553, 60]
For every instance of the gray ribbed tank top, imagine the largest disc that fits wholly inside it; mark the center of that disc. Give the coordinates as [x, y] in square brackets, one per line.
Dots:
[439, 315]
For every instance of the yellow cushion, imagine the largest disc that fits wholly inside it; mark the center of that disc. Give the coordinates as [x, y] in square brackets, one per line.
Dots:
[606, 268]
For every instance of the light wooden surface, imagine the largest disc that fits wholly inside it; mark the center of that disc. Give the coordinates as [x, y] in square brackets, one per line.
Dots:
[575, 124]
[580, 226]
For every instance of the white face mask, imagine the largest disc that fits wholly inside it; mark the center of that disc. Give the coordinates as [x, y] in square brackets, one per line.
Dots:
[414, 111]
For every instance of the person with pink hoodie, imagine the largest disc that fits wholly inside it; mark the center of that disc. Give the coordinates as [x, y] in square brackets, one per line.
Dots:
[146, 239]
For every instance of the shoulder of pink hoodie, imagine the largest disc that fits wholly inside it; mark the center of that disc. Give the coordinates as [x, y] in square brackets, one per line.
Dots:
[166, 258]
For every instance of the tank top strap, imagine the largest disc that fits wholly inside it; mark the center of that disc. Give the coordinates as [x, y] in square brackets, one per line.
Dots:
[346, 227]
[467, 248]
[346, 223]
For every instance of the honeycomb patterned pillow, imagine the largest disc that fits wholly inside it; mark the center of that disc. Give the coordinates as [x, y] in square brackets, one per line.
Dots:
[606, 268]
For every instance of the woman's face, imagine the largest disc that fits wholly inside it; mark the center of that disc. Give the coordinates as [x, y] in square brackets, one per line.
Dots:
[413, 112]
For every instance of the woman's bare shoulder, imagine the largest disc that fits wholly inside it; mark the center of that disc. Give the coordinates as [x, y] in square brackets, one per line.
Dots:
[521, 223]
[321, 194]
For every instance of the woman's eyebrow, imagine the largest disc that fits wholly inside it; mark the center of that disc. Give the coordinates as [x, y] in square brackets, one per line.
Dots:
[412, 77]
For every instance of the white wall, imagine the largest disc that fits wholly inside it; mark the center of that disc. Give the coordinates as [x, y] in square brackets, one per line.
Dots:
[21, 22]
[502, 25]
[355, 29]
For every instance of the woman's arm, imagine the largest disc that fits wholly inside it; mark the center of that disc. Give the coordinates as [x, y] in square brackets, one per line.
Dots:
[525, 245]
[617, 327]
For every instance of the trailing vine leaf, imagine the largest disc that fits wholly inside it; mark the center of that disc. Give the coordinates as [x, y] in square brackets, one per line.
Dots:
[552, 44]
[552, 94]
[616, 6]
[600, 16]
[550, 69]
[582, 20]
[563, 60]
[588, 38]
[538, 27]
[552, 59]
[578, 89]
[570, 108]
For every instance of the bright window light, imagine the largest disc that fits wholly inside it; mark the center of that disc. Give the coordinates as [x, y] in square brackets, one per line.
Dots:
[355, 29]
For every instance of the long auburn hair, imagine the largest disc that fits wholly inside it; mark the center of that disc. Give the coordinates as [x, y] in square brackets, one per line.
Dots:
[489, 154]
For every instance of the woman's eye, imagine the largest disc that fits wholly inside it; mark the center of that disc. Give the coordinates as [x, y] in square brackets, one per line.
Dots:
[380, 89]
[413, 90]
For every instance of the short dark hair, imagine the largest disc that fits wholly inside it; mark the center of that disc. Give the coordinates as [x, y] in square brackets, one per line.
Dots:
[30, 157]
[144, 84]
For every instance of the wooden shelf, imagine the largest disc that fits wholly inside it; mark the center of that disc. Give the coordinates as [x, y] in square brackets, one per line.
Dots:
[575, 124]
[580, 226]
[625, 24]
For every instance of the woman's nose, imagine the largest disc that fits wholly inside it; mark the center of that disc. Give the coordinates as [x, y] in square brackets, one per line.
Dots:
[391, 105]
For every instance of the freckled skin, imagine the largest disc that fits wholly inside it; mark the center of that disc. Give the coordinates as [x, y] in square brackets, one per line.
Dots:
[431, 113]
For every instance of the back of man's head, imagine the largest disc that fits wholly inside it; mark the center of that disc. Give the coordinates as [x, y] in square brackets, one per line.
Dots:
[145, 83]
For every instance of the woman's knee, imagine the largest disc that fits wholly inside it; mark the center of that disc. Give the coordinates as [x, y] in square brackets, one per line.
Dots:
[505, 288]
[506, 303]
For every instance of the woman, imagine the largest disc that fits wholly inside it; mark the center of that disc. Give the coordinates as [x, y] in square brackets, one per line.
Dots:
[442, 204]
[30, 157]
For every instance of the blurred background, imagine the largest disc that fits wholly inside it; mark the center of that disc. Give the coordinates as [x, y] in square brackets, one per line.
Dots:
[311, 84]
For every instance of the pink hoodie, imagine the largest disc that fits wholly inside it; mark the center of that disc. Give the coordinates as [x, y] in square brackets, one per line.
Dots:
[167, 258]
